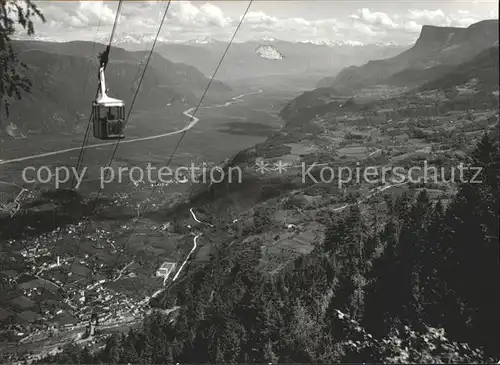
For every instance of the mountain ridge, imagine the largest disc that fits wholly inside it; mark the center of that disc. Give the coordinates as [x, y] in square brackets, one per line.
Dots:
[242, 62]
[317, 58]
[59, 70]
[483, 69]
[465, 60]
[435, 46]
[128, 38]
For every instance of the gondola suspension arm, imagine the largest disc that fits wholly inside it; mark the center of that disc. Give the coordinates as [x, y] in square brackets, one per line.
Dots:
[108, 113]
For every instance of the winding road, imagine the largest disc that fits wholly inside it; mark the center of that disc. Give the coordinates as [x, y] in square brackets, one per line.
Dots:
[188, 256]
[196, 218]
[194, 121]
[378, 190]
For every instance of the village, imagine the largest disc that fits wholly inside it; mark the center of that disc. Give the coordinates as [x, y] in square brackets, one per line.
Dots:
[55, 294]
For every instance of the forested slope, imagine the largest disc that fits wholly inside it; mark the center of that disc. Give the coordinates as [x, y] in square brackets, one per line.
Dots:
[409, 289]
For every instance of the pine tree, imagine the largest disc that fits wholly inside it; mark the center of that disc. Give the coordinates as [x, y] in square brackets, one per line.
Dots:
[261, 219]
[269, 354]
[412, 258]
[381, 302]
[231, 340]
[113, 350]
[147, 350]
[86, 356]
[355, 234]
[12, 79]
[436, 268]
[472, 259]
[251, 314]
[333, 235]
[129, 345]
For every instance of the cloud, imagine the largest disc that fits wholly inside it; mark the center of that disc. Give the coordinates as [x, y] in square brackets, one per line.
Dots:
[260, 22]
[188, 20]
[402, 26]
[260, 19]
[460, 18]
[493, 14]
[86, 14]
[207, 15]
[376, 19]
[431, 17]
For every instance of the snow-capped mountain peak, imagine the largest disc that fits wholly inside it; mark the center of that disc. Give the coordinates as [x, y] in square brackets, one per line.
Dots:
[268, 39]
[137, 40]
[330, 43]
[201, 40]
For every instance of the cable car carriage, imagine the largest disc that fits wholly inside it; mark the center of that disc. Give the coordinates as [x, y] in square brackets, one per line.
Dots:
[108, 113]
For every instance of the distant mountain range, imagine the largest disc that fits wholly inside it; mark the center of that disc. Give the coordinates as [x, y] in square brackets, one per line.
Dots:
[178, 72]
[64, 77]
[442, 58]
[310, 58]
[131, 41]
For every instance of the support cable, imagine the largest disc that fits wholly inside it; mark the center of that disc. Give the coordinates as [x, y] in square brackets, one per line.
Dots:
[193, 115]
[104, 59]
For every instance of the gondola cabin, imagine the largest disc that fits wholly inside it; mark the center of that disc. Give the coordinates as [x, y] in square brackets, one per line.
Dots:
[108, 119]
[108, 114]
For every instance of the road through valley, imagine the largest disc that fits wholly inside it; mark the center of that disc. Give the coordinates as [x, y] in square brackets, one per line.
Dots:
[194, 121]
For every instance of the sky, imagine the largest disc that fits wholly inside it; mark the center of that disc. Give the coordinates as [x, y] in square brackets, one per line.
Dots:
[398, 21]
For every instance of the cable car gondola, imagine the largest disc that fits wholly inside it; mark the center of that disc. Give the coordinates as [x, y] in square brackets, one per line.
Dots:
[108, 113]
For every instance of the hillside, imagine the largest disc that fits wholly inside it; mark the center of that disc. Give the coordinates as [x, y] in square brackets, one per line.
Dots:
[441, 58]
[286, 266]
[186, 78]
[64, 79]
[311, 99]
[436, 46]
[483, 69]
[469, 84]
[412, 77]
[297, 271]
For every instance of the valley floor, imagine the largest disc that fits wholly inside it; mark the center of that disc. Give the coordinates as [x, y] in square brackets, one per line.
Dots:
[276, 207]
